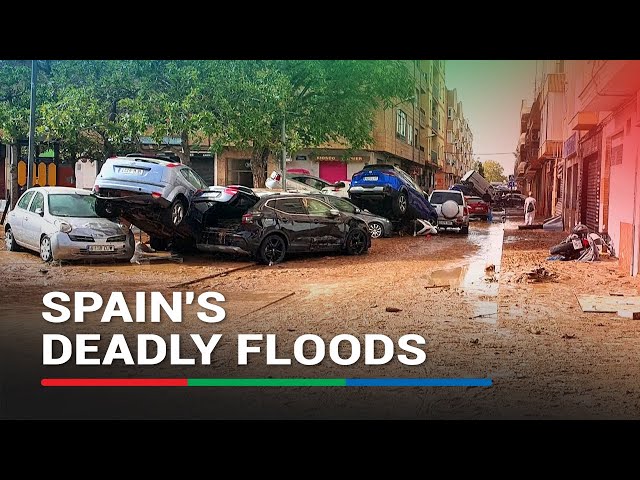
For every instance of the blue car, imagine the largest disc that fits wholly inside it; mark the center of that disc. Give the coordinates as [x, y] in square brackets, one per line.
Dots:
[389, 191]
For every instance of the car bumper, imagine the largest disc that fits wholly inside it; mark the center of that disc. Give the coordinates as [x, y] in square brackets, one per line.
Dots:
[131, 193]
[454, 223]
[63, 248]
[373, 192]
[221, 241]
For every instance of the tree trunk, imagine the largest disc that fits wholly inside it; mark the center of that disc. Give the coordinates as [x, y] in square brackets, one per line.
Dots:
[259, 158]
[14, 188]
[185, 154]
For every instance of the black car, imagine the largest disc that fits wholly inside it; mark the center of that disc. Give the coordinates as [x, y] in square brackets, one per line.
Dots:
[275, 225]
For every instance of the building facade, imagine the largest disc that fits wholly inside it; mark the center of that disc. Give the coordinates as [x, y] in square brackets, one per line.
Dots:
[586, 169]
[459, 142]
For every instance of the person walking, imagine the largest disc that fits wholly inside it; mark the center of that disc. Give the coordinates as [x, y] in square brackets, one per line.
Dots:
[529, 209]
[486, 198]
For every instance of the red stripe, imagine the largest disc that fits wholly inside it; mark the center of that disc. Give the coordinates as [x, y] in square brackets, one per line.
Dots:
[114, 382]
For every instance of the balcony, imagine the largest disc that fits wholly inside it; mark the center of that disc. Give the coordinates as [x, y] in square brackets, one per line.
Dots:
[613, 82]
[584, 121]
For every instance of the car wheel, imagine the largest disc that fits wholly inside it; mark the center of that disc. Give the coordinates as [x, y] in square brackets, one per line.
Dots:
[46, 254]
[177, 212]
[464, 230]
[356, 242]
[158, 243]
[376, 230]
[10, 241]
[272, 250]
[106, 209]
[401, 203]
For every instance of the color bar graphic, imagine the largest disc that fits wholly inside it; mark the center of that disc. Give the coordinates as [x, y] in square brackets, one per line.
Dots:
[266, 382]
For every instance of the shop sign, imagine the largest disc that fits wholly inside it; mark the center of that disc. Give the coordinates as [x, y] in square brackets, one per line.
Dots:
[570, 145]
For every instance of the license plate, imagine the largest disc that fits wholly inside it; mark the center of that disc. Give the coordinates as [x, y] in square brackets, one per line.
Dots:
[130, 171]
[445, 223]
[577, 244]
[370, 179]
[101, 248]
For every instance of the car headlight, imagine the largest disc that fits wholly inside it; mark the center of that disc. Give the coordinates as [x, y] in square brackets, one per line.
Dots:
[65, 227]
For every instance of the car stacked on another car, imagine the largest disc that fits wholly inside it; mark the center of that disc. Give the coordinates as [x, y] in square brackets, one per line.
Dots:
[389, 191]
[152, 193]
[62, 224]
[452, 209]
[378, 226]
[271, 226]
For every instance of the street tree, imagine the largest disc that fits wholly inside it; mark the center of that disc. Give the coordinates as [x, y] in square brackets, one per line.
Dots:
[493, 171]
[478, 167]
[93, 108]
[15, 88]
[184, 99]
[318, 102]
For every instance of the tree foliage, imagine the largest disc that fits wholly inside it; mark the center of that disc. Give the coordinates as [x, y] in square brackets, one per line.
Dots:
[493, 171]
[478, 167]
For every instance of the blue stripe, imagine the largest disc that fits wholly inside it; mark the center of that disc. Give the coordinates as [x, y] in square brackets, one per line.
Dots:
[419, 382]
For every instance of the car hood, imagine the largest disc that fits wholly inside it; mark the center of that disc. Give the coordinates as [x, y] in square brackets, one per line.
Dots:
[89, 226]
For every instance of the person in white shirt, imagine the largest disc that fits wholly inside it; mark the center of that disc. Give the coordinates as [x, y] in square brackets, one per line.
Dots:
[529, 209]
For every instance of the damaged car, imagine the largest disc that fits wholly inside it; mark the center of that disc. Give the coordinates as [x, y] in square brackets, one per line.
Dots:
[268, 228]
[61, 223]
[152, 193]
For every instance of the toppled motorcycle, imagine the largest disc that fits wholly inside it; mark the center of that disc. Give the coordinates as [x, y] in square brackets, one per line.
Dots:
[581, 245]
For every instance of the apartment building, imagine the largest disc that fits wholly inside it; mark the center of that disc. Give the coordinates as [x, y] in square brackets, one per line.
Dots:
[411, 135]
[593, 108]
[459, 142]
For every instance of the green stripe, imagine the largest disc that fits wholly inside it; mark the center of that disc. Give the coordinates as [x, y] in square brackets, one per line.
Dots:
[267, 382]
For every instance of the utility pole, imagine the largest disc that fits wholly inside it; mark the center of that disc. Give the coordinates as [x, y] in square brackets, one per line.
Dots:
[32, 125]
[284, 156]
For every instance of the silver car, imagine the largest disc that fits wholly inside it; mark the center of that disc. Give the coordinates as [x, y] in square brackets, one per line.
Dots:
[378, 226]
[150, 192]
[61, 223]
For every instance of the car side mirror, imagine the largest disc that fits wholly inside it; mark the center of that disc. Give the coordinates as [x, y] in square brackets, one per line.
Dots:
[334, 212]
[358, 210]
[40, 212]
[339, 185]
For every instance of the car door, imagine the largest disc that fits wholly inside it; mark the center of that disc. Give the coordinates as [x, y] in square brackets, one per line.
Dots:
[293, 221]
[33, 221]
[19, 215]
[325, 229]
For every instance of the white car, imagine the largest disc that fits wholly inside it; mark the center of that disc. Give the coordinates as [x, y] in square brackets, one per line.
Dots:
[61, 223]
[339, 189]
[452, 209]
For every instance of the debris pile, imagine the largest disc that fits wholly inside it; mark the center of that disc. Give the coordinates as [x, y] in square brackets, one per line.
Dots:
[535, 275]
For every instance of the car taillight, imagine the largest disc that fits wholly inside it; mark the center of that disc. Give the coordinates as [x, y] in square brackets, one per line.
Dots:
[247, 218]
[585, 242]
[172, 165]
[96, 189]
[156, 195]
[230, 191]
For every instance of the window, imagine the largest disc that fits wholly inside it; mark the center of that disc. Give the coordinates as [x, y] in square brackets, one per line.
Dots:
[312, 182]
[72, 205]
[316, 207]
[193, 178]
[38, 202]
[449, 136]
[450, 113]
[439, 198]
[616, 149]
[401, 123]
[343, 205]
[24, 201]
[416, 137]
[290, 205]
[410, 136]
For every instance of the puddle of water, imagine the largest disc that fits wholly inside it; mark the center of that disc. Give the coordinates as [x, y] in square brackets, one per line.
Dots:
[474, 277]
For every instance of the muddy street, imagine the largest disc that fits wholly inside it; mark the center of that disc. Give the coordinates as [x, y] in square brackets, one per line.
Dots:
[457, 291]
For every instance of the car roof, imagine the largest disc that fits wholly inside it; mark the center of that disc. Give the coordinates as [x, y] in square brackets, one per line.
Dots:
[379, 166]
[57, 190]
[142, 158]
[458, 192]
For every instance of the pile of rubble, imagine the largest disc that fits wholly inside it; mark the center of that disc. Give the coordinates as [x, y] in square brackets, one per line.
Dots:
[535, 275]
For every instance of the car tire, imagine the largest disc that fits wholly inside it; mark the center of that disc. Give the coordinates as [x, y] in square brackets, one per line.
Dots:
[464, 230]
[106, 209]
[272, 250]
[376, 230]
[46, 253]
[401, 204]
[10, 241]
[356, 242]
[158, 243]
[177, 212]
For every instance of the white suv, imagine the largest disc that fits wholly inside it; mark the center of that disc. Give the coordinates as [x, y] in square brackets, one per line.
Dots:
[452, 209]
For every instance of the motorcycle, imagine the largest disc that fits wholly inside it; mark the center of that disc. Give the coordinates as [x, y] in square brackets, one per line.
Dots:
[572, 247]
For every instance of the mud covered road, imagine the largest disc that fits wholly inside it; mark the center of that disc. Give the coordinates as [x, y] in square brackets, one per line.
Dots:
[546, 358]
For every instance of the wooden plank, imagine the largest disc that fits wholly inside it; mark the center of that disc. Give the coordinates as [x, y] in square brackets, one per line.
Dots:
[608, 304]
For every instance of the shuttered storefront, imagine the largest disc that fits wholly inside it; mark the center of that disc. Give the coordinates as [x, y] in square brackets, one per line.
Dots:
[591, 192]
[560, 185]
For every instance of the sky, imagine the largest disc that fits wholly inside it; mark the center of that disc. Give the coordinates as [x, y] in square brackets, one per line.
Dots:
[491, 92]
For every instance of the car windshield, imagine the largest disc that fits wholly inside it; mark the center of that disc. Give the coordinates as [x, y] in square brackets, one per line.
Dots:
[342, 204]
[441, 197]
[72, 205]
